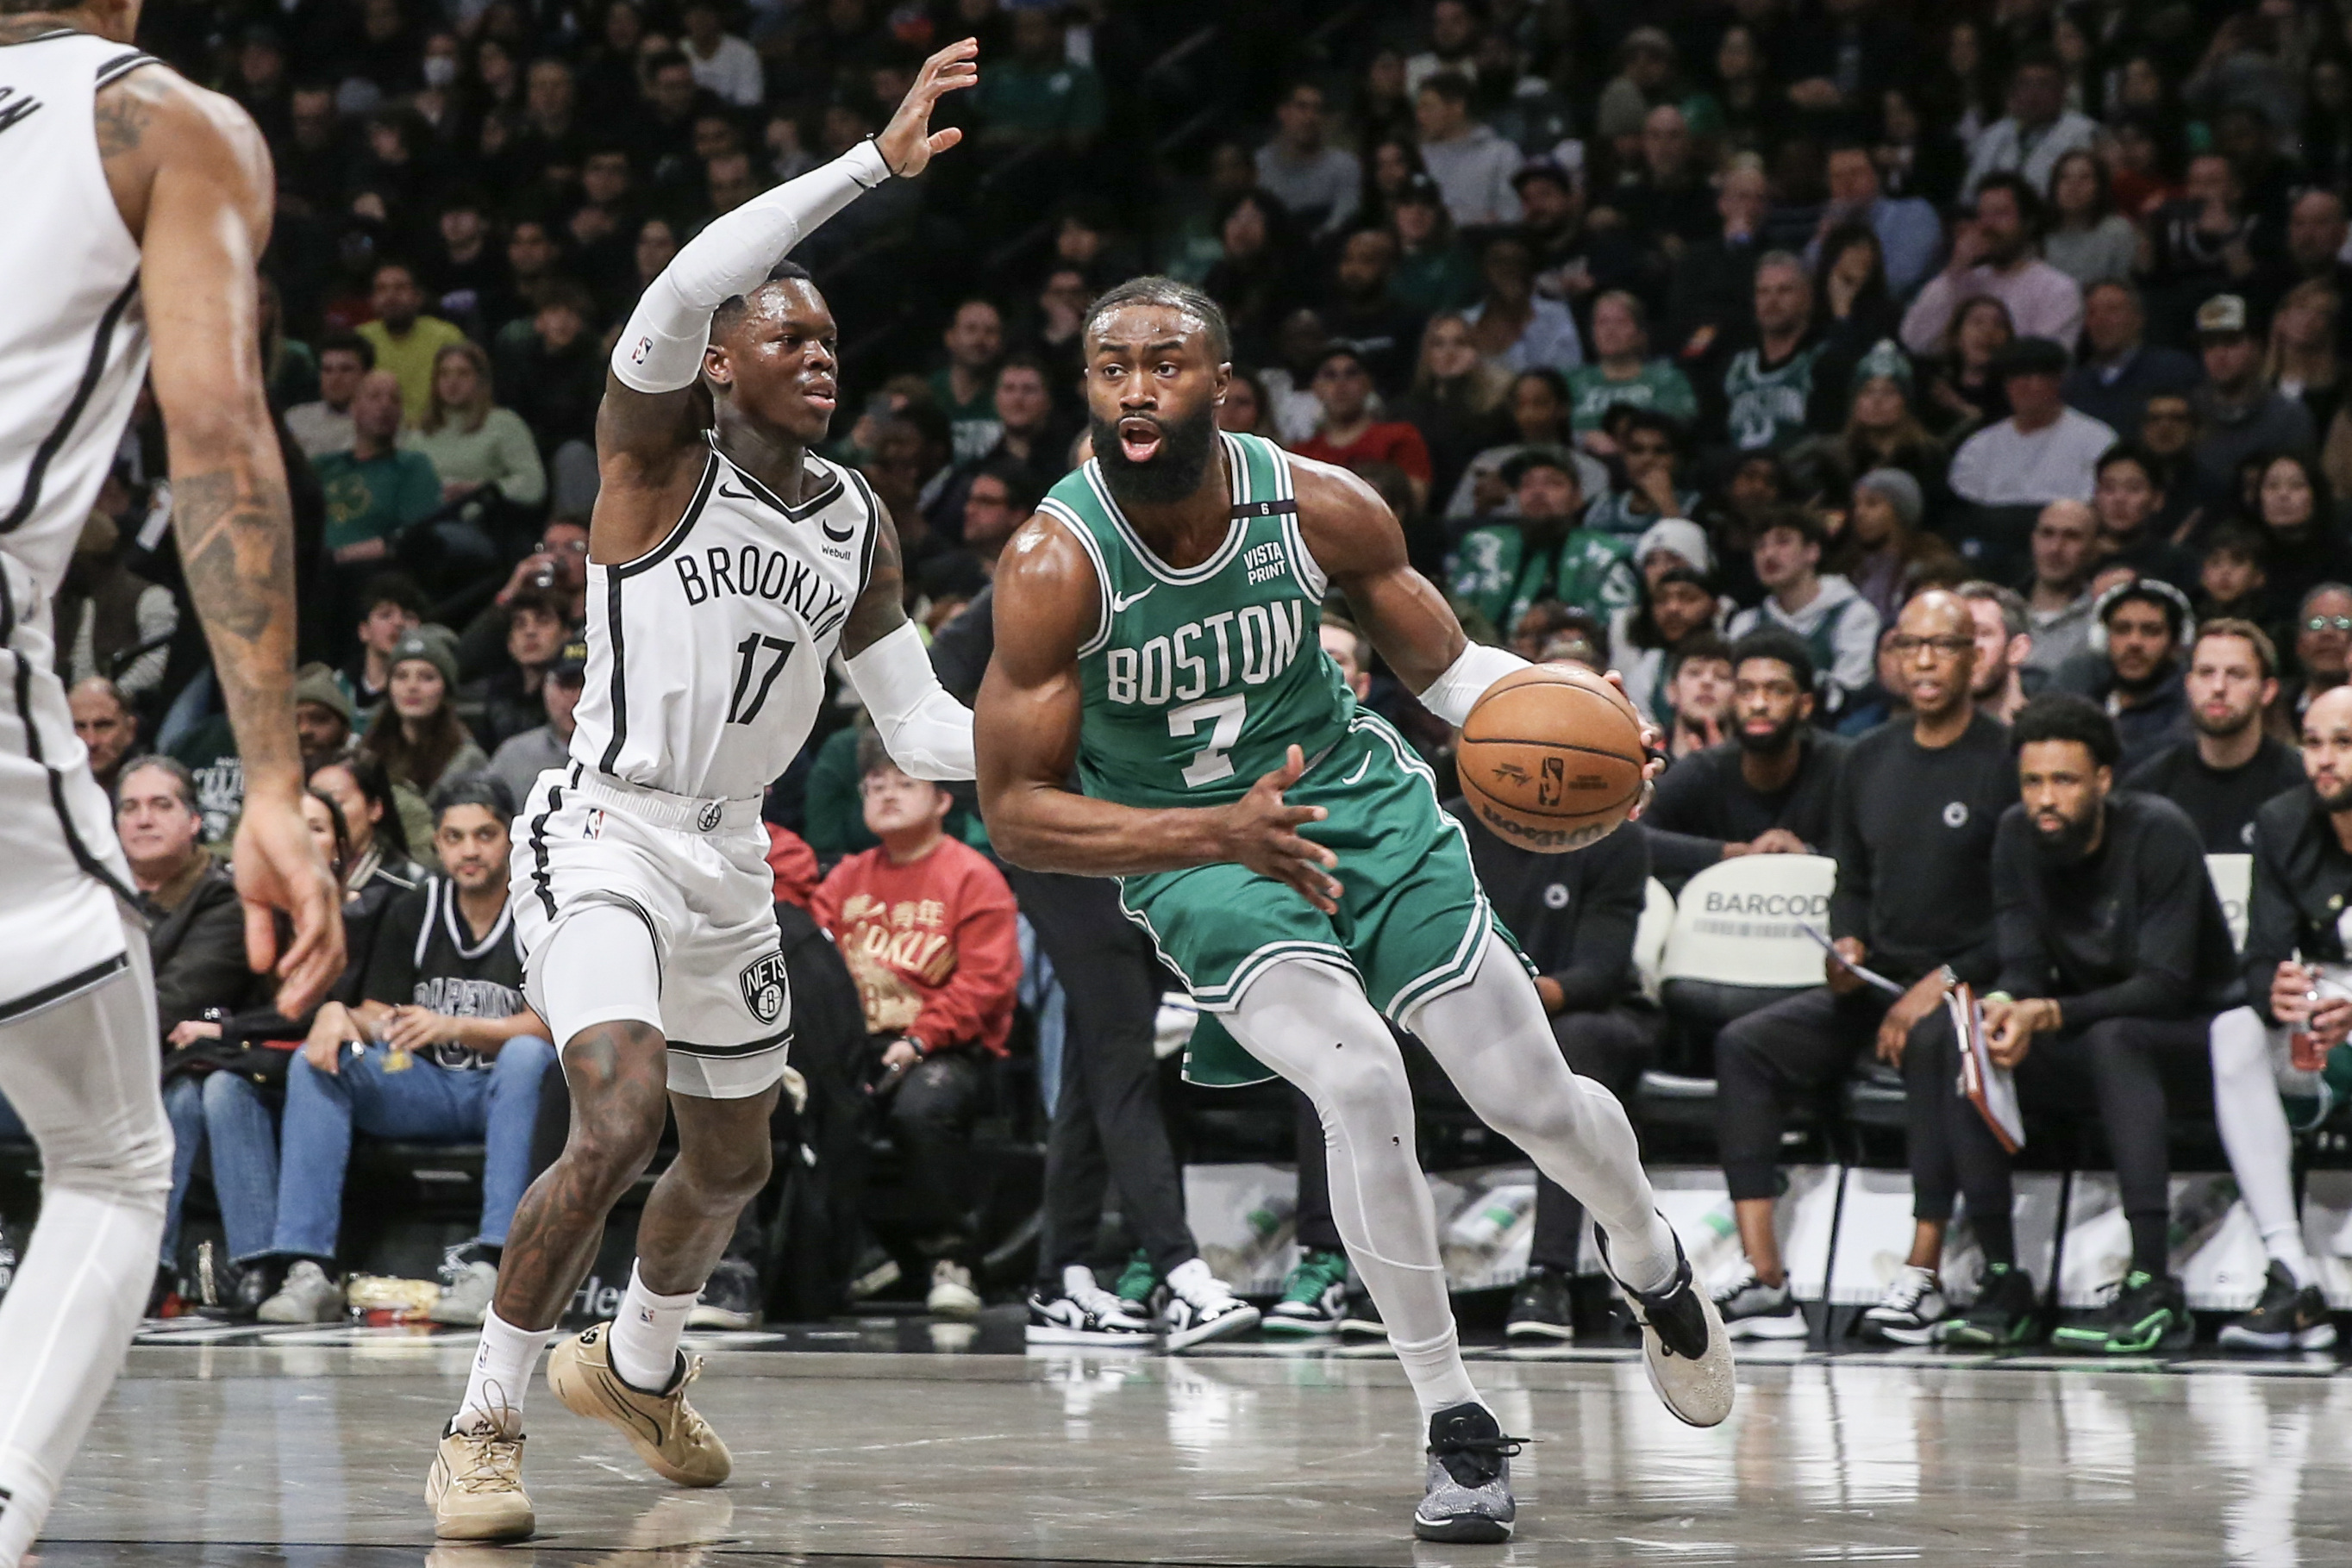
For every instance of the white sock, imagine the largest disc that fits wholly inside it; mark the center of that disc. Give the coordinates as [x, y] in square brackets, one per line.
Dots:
[2255, 1134]
[503, 1363]
[1434, 1366]
[646, 1333]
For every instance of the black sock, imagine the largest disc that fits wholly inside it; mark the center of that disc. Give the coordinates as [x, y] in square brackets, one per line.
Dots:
[1996, 1236]
[2151, 1242]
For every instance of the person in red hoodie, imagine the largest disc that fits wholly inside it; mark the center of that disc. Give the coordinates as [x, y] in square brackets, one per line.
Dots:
[927, 926]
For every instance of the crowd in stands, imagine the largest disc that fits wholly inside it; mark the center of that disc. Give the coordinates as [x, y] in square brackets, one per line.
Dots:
[1904, 400]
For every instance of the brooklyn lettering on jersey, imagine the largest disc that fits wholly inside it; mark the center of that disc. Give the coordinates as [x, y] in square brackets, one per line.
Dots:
[15, 105]
[1256, 643]
[749, 571]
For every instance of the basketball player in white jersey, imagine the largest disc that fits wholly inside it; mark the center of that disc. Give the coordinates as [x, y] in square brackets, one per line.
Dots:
[135, 206]
[726, 565]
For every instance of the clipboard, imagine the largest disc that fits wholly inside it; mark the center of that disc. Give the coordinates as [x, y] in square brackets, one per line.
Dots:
[1989, 1087]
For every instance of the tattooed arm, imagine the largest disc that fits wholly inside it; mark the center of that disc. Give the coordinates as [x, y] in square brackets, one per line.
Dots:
[193, 180]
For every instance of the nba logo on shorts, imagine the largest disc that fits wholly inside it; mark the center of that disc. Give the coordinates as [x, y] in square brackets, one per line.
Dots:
[763, 987]
[709, 817]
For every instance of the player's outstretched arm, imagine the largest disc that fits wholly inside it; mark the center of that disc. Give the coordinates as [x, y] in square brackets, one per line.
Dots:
[193, 180]
[926, 732]
[1026, 724]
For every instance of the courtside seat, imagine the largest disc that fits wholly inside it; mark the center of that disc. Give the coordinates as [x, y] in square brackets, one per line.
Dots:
[2233, 883]
[1650, 936]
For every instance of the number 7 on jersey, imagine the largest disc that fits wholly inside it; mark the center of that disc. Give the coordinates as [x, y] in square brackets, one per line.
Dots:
[1225, 717]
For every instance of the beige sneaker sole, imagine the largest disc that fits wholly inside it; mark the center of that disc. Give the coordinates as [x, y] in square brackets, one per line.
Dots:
[666, 1432]
[475, 1516]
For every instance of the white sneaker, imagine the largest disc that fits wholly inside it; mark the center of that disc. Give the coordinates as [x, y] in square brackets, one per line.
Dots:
[1912, 1310]
[307, 1296]
[1085, 1313]
[951, 1293]
[465, 1292]
[1203, 1307]
[1750, 1309]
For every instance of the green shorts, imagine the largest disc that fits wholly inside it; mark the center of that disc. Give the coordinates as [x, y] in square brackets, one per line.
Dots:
[1412, 919]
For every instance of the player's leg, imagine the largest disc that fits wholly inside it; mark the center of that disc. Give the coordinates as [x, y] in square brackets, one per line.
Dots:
[2250, 1067]
[1607, 1046]
[81, 1076]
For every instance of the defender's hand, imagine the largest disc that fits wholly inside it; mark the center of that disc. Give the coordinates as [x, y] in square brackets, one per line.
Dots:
[908, 144]
[278, 868]
[1262, 833]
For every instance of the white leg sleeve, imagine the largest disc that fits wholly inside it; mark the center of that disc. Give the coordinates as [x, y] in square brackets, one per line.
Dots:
[598, 966]
[1493, 1039]
[2255, 1133]
[1312, 1024]
[82, 1076]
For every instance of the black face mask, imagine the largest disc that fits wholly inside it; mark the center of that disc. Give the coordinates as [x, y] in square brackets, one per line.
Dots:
[2070, 844]
[1172, 474]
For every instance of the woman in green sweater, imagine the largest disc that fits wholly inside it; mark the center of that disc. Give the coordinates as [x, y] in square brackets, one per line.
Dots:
[1622, 372]
[471, 442]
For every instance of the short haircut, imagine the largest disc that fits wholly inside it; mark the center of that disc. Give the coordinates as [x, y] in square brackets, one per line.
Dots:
[2130, 452]
[1788, 258]
[666, 60]
[392, 588]
[1022, 489]
[184, 782]
[1782, 647]
[2014, 617]
[392, 264]
[1451, 85]
[487, 791]
[2063, 716]
[2254, 637]
[874, 755]
[733, 309]
[1803, 521]
[2167, 599]
[538, 600]
[2311, 595]
[1700, 645]
[1156, 289]
[1657, 422]
[2020, 189]
[349, 343]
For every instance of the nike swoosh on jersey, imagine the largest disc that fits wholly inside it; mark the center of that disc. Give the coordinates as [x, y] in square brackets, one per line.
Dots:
[739, 495]
[1120, 601]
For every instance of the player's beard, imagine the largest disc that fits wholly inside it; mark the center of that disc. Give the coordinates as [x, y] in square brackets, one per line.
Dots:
[1170, 476]
[2071, 841]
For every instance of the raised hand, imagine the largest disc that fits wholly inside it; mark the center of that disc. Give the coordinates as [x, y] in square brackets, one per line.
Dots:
[908, 144]
[1262, 833]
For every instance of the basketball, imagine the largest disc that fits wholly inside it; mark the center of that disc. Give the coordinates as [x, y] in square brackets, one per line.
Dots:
[1551, 758]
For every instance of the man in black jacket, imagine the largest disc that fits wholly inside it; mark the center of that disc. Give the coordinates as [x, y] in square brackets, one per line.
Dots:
[2225, 772]
[1912, 831]
[2298, 992]
[2114, 952]
[1767, 790]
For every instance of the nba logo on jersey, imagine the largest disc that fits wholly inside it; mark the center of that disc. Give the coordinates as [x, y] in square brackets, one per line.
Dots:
[763, 987]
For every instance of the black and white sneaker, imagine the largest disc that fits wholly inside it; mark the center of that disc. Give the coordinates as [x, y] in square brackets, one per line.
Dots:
[1540, 1311]
[1685, 1347]
[1750, 1309]
[1912, 1311]
[1201, 1307]
[1361, 1318]
[1085, 1313]
[2288, 1317]
[1468, 1500]
[729, 1298]
[1314, 1299]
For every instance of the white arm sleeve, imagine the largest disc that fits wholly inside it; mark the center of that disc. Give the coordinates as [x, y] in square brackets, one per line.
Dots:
[1453, 695]
[660, 350]
[926, 732]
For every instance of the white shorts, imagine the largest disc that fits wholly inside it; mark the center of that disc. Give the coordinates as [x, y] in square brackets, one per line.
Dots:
[706, 894]
[63, 880]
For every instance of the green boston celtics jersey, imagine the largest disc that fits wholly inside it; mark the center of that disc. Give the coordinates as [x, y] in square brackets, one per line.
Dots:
[1197, 681]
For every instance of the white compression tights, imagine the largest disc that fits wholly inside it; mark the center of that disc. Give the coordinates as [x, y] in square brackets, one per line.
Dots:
[2255, 1133]
[1313, 1024]
[82, 1077]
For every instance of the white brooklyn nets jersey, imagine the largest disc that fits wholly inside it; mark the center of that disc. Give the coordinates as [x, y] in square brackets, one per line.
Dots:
[706, 656]
[73, 352]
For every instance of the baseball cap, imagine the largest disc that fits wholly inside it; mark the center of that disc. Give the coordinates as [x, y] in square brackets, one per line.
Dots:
[2030, 357]
[2224, 316]
[570, 666]
[1421, 190]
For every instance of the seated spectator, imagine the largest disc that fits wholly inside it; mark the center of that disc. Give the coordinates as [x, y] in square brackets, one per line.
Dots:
[390, 608]
[443, 993]
[2287, 1043]
[1435, 270]
[1573, 258]
[1471, 165]
[1765, 791]
[2300, 528]
[2202, 242]
[2137, 677]
[375, 490]
[2222, 775]
[1541, 551]
[1697, 694]
[1663, 198]
[1910, 234]
[2087, 240]
[556, 376]
[2039, 130]
[2232, 576]
[325, 427]
[1260, 276]
[1676, 604]
[1319, 182]
[507, 698]
[1347, 433]
[470, 440]
[323, 717]
[1884, 545]
[378, 861]
[1539, 415]
[1362, 313]
[723, 64]
[2127, 500]
[964, 388]
[2323, 647]
[2304, 361]
[1769, 386]
[557, 566]
[407, 342]
[2239, 413]
[2004, 646]
[1964, 387]
[1037, 96]
[1510, 322]
[1621, 373]
[1883, 430]
[1912, 831]
[522, 757]
[1837, 624]
[927, 926]
[2043, 451]
[2120, 371]
[108, 620]
[1650, 445]
[1994, 255]
[105, 727]
[1713, 283]
[2114, 959]
[416, 735]
[2058, 596]
[1850, 288]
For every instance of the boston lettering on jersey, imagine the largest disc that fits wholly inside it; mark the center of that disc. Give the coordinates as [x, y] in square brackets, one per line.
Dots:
[752, 572]
[1252, 644]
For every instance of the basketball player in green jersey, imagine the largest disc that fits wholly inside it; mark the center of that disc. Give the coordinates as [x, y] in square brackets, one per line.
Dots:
[1155, 635]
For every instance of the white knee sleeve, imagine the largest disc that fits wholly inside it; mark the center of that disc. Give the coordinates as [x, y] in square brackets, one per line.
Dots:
[600, 965]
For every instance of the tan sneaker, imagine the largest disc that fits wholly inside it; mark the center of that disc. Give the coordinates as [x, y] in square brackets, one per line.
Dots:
[475, 1488]
[666, 1431]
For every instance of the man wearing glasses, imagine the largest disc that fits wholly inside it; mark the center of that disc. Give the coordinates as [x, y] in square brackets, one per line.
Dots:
[1911, 828]
[2323, 642]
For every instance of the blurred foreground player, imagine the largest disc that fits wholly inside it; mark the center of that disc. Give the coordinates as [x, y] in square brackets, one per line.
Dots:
[726, 565]
[137, 204]
[1159, 633]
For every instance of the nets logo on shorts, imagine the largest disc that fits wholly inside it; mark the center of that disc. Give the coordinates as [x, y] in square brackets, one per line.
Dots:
[763, 987]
